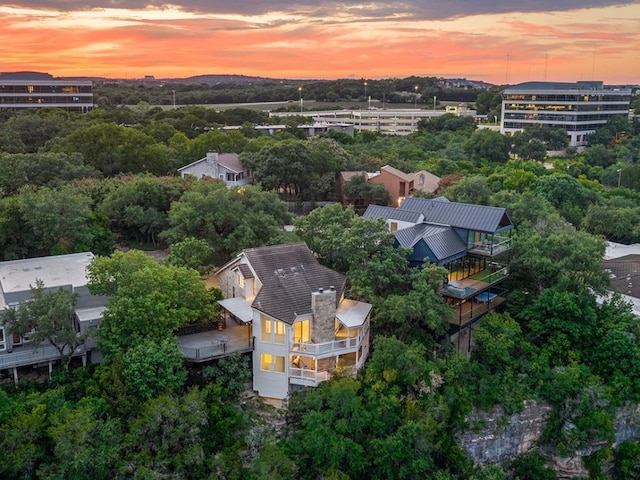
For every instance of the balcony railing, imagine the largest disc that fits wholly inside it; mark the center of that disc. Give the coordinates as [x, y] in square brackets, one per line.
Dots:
[470, 286]
[470, 310]
[349, 344]
[492, 247]
[303, 376]
[216, 350]
[27, 355]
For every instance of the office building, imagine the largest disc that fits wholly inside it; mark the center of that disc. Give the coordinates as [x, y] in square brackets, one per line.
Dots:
[22, 90]
[578, 108]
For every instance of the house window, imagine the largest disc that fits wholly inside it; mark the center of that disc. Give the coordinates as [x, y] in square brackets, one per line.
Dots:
[3, 343]
[394, 226]
[272, 331]
[421, 180]
[301, 331]
[239, 278]
[265, 329]
[278, 331]
[271, 363]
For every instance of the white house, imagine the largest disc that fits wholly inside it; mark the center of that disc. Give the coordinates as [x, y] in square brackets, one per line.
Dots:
[224, 166]
[304, 329]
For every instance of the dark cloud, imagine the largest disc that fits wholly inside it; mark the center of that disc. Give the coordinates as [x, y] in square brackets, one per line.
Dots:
[415, 9]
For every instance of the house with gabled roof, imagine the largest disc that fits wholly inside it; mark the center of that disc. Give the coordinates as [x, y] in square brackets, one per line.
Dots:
[304, 329]
[398, 184]
[222, 166]
[472, 242]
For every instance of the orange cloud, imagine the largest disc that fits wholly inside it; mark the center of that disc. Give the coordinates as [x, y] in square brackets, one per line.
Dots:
[172, 43]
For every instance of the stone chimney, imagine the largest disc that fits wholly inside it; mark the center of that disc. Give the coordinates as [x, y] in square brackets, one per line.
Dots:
[323, 308]
[212, 164]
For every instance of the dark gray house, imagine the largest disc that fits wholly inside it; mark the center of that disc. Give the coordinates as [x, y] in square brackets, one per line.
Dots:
[472, 242]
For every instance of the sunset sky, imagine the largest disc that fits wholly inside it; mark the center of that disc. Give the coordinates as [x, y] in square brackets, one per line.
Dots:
[498, 41]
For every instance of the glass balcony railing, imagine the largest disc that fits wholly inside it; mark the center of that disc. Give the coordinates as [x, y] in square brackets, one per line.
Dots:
[492, 246]
[475, 283]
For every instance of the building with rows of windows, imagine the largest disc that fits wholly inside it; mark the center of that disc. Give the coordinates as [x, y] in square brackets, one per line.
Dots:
[21, 90]
[579, 108]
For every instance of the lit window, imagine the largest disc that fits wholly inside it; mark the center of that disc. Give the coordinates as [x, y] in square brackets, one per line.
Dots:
[265, 329]
[265, 362]
[3, 344]
[272, 363]
[278, 364]
[279, 331]
[301, 331]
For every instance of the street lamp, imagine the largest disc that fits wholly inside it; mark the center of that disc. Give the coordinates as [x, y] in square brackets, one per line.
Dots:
[434, 103]
[415, 98]
[300, 95]
[619, 176]
[365, 91]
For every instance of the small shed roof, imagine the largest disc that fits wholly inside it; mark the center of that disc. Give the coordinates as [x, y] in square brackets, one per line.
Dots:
[352, 313]
[238, 307]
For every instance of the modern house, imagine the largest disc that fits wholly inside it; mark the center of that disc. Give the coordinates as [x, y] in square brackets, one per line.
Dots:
[578, 108]
[61, 271]
[22, 90]
[303, 327]
[472, 242]
[398, 184]
[223, 166]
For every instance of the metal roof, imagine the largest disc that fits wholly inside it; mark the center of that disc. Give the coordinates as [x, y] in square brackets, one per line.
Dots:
[289, 274]
[352, 313]
[443, 241]
[239, 307]
[388, 213]
[479, 218]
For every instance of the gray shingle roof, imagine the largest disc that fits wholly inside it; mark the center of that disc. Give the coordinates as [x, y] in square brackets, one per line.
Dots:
[388, 213]
[479, 218]
[289, 274]
[444, 242]
[245, 270]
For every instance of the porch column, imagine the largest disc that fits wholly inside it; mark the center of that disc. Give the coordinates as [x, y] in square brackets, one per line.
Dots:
[50, 369]
[15, 375]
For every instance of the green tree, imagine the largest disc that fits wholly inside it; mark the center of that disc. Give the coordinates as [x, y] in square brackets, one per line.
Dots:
[192, 253]
[488, 145]
[86, 442]
[228, 219]
[149, 301]
[166, 439]
[419, 313]
[361, 193]
[48, 317]
[154, 367]
[472, 189]
[550, 251]
[232, 372]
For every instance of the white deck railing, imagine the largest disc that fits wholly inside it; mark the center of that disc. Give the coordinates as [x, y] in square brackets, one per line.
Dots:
[345, 345]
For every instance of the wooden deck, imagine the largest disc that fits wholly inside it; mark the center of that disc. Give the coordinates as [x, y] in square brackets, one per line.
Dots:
[212, 344]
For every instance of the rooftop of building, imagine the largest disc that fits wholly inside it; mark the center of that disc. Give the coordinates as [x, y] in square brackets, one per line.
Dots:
[580, 86]
[54, 271]
[289, 274]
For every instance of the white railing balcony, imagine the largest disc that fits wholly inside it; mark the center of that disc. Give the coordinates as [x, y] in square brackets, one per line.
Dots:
[338, 346]
[309, 378]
